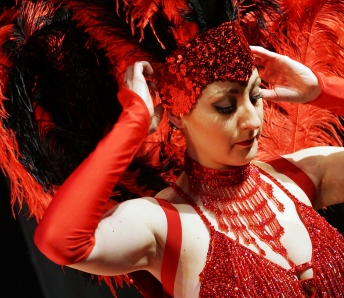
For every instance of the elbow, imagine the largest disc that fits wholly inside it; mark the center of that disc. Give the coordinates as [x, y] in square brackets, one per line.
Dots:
[63, 248]
[45, 240]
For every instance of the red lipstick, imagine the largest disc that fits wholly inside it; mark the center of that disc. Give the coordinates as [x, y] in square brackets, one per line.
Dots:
[246, 143]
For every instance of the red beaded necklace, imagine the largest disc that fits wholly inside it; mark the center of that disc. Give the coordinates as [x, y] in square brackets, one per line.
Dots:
[237, 197]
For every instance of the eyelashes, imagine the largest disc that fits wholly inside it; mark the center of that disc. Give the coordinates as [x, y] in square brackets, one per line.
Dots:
[226, 110]
[232, 108]
[254, 99]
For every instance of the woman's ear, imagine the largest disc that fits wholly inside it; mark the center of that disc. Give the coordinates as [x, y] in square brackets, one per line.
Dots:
[176, 120]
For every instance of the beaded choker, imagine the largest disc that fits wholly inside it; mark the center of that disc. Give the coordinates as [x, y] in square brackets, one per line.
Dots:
[237, 197]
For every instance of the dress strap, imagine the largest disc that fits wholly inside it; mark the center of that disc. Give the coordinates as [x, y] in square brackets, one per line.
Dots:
[294, 173]
[172, 247]
[198, 210]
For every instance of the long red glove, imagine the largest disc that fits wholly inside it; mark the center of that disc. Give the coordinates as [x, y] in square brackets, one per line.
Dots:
[332, 94]
[66, 232]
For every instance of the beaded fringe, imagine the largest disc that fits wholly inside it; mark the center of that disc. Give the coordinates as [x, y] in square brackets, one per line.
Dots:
[237, 198]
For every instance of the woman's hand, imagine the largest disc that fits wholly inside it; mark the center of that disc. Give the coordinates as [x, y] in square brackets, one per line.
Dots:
[138, 78]
[288, 79]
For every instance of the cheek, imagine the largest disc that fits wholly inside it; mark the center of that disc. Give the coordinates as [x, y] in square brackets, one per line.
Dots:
[217, 132]
[210, 126]
[207, 129]
[201, 130]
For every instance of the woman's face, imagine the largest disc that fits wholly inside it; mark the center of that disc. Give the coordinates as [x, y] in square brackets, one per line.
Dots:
[223, 128]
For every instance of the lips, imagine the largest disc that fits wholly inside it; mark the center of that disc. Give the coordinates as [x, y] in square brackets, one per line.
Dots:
[246, 143]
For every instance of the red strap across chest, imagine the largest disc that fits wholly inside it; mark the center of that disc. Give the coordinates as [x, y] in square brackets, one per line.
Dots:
[294, 173]
[172, 247]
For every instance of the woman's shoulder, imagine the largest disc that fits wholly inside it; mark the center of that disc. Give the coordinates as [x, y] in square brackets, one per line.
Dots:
[279, 177]
[313, 161]
[143, 209]
[167, 194]
[149, 209]
[309, 161]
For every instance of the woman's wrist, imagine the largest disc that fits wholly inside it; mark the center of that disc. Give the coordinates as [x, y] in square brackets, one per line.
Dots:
[331, 96]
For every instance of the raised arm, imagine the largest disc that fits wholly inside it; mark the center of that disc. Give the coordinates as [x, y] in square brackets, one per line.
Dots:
[68, 233]
[292, 81]
[324, 165]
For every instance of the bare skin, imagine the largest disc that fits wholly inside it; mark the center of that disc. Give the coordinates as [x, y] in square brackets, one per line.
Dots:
[289, 80]
[132, 235]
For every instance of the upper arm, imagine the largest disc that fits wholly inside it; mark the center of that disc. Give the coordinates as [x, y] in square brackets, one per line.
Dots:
[127, 239]
[324, 165]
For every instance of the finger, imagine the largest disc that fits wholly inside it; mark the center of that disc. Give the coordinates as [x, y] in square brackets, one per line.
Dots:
[138, 71]
[143, 68]
[263, 73]
[147, 68]
[261, 63]
[156, 118]
[128, 73]
[152, 85]
[159, 111]
[262, 53]
[269, 94]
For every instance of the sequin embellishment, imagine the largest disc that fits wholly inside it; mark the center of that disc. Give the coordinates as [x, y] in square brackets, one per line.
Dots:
[218, 54]
[232, 270]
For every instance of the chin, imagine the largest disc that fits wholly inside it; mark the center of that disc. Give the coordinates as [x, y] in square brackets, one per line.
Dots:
[239, 161]
[249, 156]
[246, 160]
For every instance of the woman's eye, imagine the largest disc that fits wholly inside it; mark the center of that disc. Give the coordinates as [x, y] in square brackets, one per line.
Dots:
[254, 99]
[225, 110]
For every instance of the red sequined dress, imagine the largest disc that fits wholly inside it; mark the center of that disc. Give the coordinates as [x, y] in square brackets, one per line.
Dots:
[232, 270]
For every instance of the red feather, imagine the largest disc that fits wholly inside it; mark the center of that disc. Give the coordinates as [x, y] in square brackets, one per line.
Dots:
[120, 49]
[6, 19]
[311, 33]
[292, 127]
[144, 12]
[23, 185]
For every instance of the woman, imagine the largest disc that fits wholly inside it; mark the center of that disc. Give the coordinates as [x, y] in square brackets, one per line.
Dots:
[56, 59]
[246, 229]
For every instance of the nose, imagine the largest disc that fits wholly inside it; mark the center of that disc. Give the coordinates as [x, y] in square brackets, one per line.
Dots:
[250, 116]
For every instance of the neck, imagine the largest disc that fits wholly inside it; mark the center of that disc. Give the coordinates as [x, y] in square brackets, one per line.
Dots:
[234, 175]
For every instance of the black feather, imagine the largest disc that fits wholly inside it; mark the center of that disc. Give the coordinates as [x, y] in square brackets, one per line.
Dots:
[255, 16]
[53, 68]
[57, 67]
[212, 13]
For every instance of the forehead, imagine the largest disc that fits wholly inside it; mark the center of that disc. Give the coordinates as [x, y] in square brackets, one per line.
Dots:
[233, 87]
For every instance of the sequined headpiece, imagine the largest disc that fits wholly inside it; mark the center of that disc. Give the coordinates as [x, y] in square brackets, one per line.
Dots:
[218, 54]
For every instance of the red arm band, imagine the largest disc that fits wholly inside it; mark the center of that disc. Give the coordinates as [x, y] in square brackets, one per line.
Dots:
[332, 94]
[66, 232]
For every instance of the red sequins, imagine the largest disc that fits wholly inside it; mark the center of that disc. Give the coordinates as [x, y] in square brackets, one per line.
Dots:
[232, 270]
[219, 54]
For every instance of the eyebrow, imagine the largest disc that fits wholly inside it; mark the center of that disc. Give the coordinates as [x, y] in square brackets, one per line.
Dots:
[253, 83]
[233, 91]
[236, 91]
